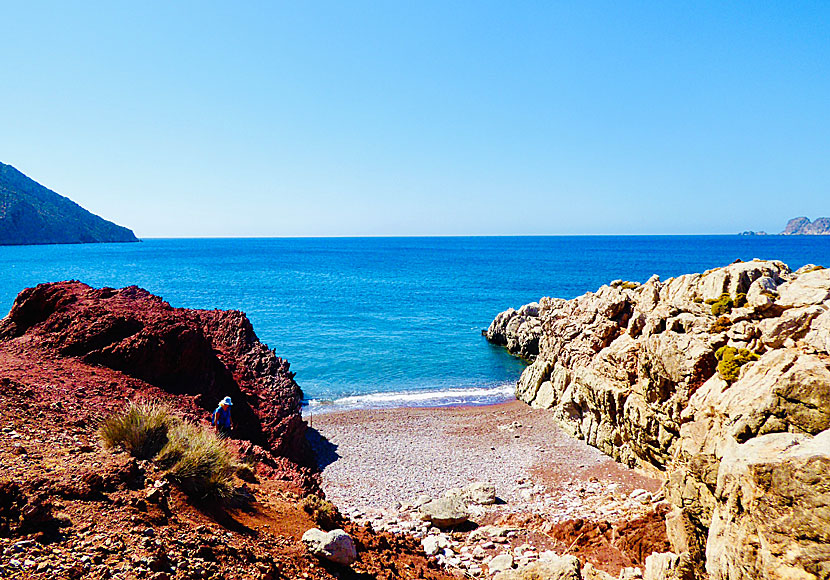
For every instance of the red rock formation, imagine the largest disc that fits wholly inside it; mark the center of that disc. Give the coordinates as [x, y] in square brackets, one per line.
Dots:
[198, 356]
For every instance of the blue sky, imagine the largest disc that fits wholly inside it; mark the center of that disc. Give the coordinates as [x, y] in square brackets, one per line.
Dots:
[422, 118]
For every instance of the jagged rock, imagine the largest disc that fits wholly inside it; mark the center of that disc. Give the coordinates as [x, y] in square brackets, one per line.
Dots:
[562, 568]
[661, 566]
[445, 512]
[518, 330]
[808, 288]
[772, 509]
[197, 355]
[336, 546]
[634, 371]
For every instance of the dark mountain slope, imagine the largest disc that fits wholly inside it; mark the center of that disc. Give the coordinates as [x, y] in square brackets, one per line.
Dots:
[33, 214]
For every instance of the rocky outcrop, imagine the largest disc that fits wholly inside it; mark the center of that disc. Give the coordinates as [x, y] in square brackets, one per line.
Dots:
[196, 356]
[518, 330]
[802, 226]
[721, 381]
[33, 214]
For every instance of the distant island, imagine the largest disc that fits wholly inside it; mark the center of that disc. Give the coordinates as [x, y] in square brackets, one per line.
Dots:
[33, 214]
[800, 226]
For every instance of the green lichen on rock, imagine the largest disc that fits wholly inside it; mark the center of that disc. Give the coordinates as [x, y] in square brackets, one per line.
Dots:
[722, 324]
[624, 284]
[730, 361]
[723, 305]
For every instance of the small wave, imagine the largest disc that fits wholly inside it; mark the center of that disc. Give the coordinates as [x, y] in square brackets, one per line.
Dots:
[426, 398]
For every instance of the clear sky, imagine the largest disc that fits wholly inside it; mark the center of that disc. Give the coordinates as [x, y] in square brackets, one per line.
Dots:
[422, 118]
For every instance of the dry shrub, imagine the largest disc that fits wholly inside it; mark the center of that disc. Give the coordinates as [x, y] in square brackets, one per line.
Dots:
[323, 512]
[141, 429]
[201, 464]
[196, 459]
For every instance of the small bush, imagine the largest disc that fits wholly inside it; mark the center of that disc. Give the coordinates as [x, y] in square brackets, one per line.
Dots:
[813, 269]
[722, 324]
[196, 459]
[141, 429]
[730, 361]
[722, 305]
[324, 513]
[202, 465]
[740, 299]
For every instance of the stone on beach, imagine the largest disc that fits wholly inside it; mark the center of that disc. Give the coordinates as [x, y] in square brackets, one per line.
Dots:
[500, 563]
[336, 546]
[481, 493]
[562, 568]
[445, 512]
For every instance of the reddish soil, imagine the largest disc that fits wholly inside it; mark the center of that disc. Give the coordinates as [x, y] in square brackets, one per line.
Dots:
[69, 356]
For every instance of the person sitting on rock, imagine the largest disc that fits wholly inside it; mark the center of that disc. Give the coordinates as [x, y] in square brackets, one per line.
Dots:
[222, 417]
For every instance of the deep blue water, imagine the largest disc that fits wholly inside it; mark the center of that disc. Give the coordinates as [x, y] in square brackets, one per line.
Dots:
[367, 319]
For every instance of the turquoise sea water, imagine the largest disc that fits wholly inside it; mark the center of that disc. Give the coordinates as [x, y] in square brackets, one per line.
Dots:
[387, 321]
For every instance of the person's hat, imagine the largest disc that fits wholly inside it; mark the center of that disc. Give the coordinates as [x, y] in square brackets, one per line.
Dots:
[226, 401]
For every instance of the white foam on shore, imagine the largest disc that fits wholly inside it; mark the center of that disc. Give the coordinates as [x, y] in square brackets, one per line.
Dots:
[438, 398]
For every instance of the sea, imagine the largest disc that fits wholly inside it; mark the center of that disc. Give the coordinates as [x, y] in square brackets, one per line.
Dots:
[387, 322]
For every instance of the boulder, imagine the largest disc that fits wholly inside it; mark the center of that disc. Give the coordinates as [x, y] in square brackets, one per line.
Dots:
[336, 546]
[518, 330]
[445, 512]
[481, 493]
[500, 563]
[561, 568]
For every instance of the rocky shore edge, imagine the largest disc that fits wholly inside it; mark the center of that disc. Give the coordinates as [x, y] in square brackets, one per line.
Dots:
[720, 383]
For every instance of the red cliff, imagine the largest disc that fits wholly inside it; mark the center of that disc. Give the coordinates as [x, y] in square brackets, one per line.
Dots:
[189, 358]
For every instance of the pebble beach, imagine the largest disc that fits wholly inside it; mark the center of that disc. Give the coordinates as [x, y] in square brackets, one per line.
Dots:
[379, 466]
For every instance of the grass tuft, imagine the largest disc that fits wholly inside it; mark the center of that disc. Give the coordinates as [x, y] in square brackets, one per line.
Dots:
[141, 429]
[202, 464]
[323, 512]
[197, 460]
[722, 324]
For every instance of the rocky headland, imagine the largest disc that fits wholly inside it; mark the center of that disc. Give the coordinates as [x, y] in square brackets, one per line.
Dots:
[802, 226]
[33, 214]
[71, 356]
[720, 383]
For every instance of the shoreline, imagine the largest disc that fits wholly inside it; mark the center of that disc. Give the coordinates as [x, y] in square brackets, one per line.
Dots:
[414, 399]
[379, 465]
